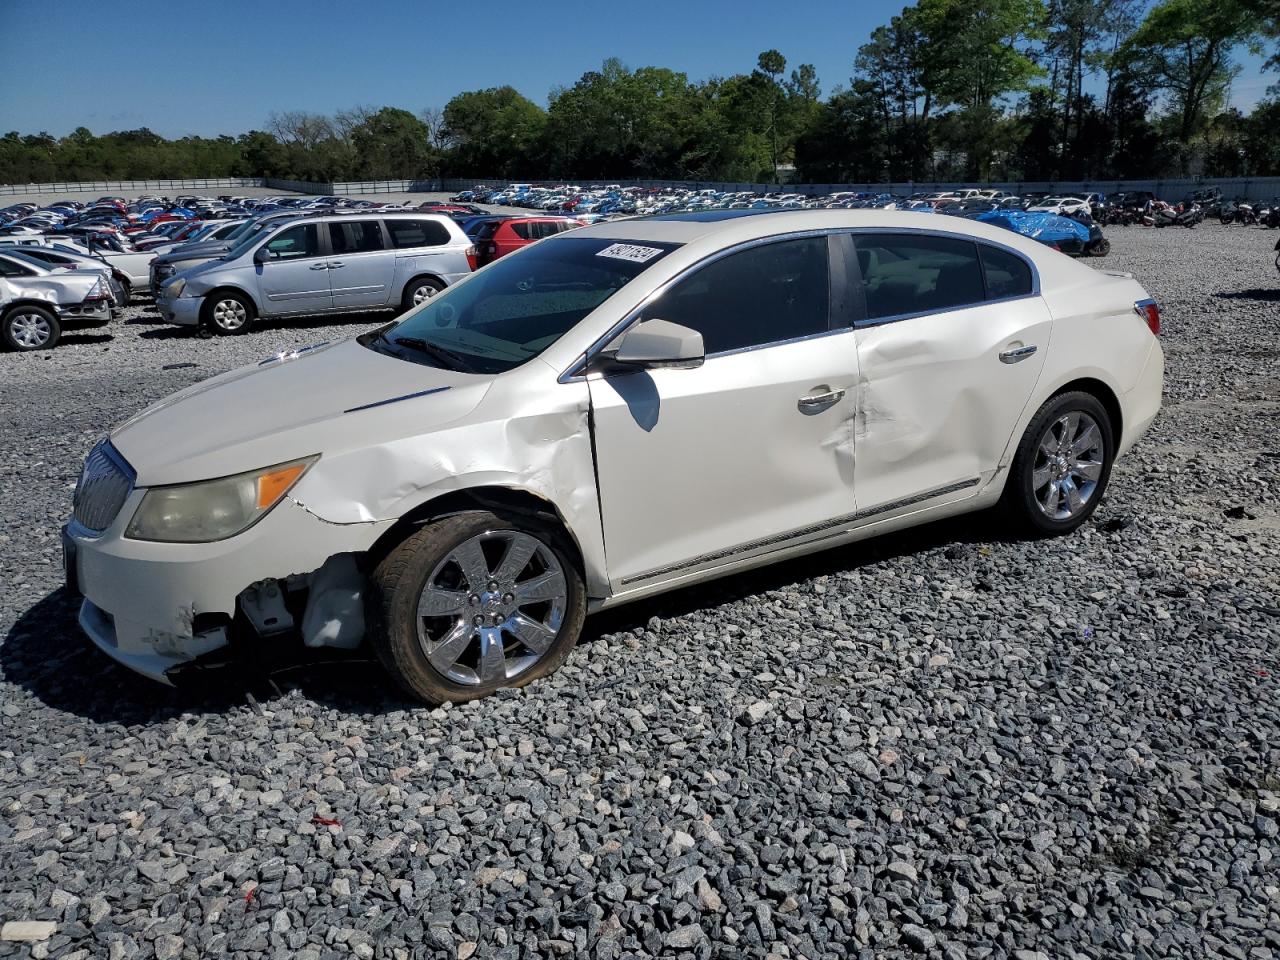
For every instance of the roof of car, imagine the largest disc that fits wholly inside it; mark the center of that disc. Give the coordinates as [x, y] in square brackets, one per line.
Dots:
[736, 226]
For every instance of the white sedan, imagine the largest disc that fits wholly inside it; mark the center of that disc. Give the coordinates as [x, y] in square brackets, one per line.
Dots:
[1063, 206]
[608, 414]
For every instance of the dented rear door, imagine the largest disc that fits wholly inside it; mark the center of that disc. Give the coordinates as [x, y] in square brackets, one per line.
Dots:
[939, 393]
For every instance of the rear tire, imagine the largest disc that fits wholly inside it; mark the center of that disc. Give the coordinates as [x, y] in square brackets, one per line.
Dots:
[27, 328]
[227, 313]
[1061, 466]
[419, 291]
[455, 614]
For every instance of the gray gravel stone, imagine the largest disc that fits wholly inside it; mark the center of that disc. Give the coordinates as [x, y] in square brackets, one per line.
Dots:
[1003, 745]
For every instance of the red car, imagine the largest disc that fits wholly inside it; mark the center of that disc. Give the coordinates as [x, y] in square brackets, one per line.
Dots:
[500, 237]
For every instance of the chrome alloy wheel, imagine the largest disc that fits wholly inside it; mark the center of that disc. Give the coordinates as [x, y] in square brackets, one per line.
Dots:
[230, 314]
[423, 294]
[492, 607]
[1068, 465]
[30, 330]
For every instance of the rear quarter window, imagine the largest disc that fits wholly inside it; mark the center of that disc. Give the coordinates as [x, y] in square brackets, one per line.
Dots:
[1006, 274]
[417, 233]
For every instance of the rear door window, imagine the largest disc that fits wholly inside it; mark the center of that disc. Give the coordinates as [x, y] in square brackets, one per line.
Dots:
[355, 236]
[524, 230]
[417, 233]
[905, 274]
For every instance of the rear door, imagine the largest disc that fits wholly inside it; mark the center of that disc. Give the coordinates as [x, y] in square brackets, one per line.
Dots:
[952, 345]
[295, 277]
[360, 267]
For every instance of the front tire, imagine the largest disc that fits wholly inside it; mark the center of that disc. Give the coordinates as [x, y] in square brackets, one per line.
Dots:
[473, 603]
[27, 328]
[228, 313]
[1061, 467]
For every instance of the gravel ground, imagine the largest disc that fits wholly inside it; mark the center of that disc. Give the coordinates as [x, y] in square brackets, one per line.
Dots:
[936, 744]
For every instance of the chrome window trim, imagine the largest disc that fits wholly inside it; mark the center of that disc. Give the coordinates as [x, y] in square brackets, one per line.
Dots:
[881, 321]
[924, 231]
[577, 370]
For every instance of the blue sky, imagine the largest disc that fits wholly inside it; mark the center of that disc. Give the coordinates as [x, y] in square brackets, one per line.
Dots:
[221, 66]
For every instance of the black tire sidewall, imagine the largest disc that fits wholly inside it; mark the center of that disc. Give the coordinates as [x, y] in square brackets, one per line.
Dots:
[12, 344]
[406, 301]
[206, 311]
[1019, 499]
[397, 582]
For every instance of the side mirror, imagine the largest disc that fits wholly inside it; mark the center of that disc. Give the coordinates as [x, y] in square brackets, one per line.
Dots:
[660, 343]
[262, 254]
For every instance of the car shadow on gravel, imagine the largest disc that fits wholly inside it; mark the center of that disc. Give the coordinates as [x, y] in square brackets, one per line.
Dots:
[46, 654]
[161, 330]
[85, 339]
[1263, 295]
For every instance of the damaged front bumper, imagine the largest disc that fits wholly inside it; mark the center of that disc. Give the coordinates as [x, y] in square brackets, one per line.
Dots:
[156, 607]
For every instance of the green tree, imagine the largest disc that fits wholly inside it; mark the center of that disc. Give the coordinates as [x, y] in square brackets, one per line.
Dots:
[393, 143]
[1184, 47]
[494, 132]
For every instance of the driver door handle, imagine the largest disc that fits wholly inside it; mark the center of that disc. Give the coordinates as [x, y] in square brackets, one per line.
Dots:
[1018, 353]
[319, 266]
[819, 401]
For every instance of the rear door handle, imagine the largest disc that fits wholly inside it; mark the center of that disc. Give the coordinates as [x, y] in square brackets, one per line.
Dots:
[820, 401]
[1018, 353]
[319, 266]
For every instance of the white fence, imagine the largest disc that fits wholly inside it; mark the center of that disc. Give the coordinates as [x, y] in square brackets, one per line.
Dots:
[1254, 188]
[130, 188]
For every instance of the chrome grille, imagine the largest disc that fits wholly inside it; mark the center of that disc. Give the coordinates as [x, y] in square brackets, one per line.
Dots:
[104, 485]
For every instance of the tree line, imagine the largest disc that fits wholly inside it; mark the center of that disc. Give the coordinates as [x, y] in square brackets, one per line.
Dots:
[946, 90]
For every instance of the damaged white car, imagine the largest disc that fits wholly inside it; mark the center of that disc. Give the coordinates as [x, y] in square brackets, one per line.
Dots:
[610, 413]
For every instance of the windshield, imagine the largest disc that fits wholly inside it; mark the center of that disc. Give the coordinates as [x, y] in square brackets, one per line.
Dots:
[518, 306]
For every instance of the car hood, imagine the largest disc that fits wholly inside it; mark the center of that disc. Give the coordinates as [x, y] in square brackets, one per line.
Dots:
[325, 399]
[190, 251]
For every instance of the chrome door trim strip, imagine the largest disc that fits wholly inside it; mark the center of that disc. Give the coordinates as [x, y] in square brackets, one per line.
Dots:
[782, 540]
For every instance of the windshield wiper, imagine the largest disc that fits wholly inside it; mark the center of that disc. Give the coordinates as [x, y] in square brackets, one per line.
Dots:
[433, 349]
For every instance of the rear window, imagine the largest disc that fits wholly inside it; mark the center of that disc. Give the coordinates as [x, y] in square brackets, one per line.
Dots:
[417, 233]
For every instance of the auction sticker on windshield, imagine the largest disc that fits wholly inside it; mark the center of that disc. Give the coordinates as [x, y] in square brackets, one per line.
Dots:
[630, 251]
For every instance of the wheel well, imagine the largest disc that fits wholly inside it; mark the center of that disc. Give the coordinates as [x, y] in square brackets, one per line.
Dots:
[30, 302]
[422, 276]
[206, 299]
[1104, 395]
[497, 499]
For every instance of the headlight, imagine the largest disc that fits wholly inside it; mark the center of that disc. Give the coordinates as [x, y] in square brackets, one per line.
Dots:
[213, 509]
[174, 289]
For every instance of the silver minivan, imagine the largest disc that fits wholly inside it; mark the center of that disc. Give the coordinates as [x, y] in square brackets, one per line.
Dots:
[331, 263]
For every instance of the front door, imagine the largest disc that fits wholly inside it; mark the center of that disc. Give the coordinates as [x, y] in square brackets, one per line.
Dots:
[295, 278]
[951, 348]
[701, 467]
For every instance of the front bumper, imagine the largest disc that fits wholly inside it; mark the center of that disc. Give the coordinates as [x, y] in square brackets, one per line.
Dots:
[154, 607]
[96, 314]
[184, 311]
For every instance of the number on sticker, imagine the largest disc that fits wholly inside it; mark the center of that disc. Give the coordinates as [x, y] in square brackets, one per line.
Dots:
[630, 251]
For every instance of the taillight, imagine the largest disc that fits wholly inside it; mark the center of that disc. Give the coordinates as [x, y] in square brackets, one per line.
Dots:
[473, 257]
[1149, 311]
